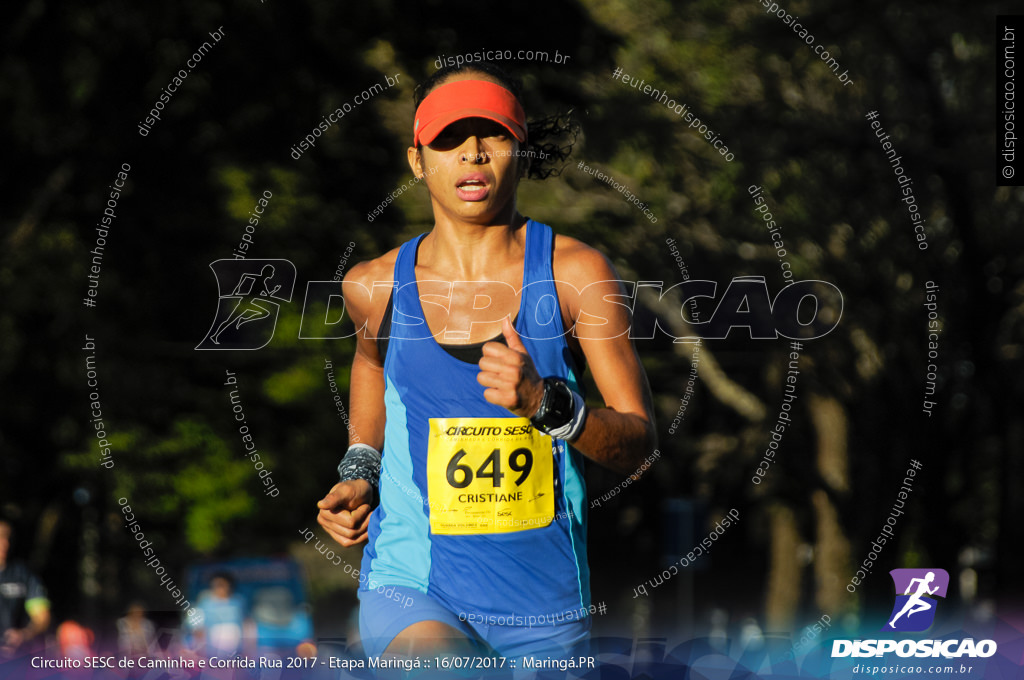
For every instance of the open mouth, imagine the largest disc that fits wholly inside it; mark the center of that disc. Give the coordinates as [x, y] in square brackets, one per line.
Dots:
[472, 188]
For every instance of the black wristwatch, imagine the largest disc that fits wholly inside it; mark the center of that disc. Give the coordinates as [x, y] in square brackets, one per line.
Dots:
[556, 408]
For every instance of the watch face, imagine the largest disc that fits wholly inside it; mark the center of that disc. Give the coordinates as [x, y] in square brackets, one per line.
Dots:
[557, 406]
[556, 409]
[561, 407]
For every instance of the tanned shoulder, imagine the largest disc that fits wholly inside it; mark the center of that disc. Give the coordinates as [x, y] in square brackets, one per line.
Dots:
[367, 287]
[579, 265]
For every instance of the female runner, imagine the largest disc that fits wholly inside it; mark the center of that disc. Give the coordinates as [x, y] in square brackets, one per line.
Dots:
[472, 341]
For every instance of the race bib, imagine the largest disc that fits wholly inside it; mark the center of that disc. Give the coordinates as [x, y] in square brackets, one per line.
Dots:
[488, 475]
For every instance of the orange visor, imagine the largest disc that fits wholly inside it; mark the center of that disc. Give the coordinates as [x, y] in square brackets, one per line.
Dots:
[467, 99]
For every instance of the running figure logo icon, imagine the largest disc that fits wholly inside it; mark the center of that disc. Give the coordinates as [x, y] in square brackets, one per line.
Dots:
[246, 309]
[914, 610]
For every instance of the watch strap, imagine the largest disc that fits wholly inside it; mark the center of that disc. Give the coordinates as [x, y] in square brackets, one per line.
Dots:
[570, 425]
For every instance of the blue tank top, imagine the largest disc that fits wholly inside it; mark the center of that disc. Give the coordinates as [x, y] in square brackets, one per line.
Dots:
[504, 530]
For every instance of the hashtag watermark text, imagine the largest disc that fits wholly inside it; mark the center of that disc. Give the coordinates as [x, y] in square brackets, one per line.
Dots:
[103, 227]
[530, 620]
[622, 189]
[783, 421]
[681, 110]
[887, 532]
[903, 181]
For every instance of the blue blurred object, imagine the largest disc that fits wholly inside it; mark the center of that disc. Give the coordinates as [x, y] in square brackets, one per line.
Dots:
[275, 594]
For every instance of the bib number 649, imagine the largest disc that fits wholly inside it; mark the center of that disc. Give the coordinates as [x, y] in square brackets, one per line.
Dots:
[460, 475]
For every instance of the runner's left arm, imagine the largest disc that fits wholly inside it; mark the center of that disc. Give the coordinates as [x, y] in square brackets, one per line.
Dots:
[621, 434]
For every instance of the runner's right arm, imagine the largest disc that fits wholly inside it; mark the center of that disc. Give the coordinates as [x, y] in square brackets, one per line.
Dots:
[345, 510]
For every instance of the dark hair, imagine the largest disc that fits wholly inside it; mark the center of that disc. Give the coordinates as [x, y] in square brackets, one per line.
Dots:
[549, 140]
[224, 576]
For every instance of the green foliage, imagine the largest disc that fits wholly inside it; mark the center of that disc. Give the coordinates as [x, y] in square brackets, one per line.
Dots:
[293, 385]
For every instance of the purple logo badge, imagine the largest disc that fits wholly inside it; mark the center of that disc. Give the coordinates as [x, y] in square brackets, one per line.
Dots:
[916, 593]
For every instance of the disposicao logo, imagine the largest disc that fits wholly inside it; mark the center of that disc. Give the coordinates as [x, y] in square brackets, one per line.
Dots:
[914, 610]
[250, 293]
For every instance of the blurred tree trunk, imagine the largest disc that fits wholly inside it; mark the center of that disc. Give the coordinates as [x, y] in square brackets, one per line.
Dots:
[832, 546]
[784, 571]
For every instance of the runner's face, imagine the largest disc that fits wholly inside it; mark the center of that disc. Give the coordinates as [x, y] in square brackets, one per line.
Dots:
[471, 168]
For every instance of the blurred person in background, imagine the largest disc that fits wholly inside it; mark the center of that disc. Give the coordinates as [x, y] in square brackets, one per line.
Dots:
[75, 640]
[135, 633]
[223, 621]
[24, 607]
